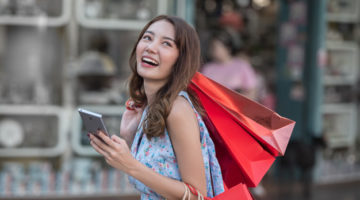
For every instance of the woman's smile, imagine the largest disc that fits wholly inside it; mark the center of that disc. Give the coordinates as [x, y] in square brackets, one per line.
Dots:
[149, 62]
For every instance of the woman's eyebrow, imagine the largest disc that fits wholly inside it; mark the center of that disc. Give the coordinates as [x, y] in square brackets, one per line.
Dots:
[150, 32]
[167, 38]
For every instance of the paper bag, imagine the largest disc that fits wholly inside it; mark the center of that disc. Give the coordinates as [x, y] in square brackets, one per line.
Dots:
[247, 135]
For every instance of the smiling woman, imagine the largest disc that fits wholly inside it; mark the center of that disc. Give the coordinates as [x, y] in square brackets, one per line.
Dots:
[170, 144]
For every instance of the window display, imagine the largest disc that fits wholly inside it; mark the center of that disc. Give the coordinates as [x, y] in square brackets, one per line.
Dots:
[32, 131]
[342, 62]
[124, 9]
[339, 124]
[79, 176]
[11, 133]
[35, 12]
[40, 54]
[343, 10]
[124, 14]
[338, 161]
[31, 8]
[340, 94]
[53, 60]
[102, 68]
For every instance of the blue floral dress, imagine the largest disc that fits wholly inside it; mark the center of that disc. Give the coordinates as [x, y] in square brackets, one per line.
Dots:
[158, 154]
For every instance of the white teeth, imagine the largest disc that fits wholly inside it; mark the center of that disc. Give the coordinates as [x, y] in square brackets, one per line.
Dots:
[150, 60]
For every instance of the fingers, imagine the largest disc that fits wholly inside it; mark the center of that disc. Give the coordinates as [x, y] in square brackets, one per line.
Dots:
[106, 139]
[97, 148]
[104, 145]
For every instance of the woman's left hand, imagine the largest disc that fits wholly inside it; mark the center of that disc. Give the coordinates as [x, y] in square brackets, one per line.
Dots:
[115, 150]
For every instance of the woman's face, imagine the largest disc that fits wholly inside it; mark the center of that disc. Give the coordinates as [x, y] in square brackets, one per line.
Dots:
[156, 52]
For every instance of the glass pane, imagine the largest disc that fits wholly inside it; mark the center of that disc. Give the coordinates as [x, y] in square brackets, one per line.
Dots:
[334, 125]
[32, 8]
[121, 9]
[341, 6]
[31, 66]
[341, 63]
[338, 94]
[31, 131]
[102, 67]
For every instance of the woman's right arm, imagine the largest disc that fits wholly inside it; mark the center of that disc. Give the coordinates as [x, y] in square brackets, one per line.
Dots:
[129, 123]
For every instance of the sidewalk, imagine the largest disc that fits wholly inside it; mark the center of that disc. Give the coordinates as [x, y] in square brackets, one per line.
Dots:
[296, 191]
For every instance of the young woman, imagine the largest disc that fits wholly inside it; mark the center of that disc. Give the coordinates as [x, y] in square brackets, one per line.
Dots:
[170, 144]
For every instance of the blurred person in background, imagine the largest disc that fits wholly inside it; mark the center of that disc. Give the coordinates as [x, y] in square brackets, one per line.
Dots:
[227, 67]
[169, 141]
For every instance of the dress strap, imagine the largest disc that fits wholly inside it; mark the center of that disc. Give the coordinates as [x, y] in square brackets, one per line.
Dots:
[186, 96]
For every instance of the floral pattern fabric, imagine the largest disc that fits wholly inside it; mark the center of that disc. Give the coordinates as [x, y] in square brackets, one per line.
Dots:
[158, 154]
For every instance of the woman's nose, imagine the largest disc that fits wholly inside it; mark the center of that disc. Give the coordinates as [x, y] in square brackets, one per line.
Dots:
[152, 47]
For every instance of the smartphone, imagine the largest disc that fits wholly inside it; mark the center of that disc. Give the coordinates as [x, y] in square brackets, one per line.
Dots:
[93, 122]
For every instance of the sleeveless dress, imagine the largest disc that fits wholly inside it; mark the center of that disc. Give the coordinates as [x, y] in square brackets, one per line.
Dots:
[158, 154]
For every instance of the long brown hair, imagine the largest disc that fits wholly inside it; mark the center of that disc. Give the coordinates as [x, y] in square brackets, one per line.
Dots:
[186, 65]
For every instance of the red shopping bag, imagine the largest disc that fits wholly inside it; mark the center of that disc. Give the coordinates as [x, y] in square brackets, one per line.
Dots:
[247, 135]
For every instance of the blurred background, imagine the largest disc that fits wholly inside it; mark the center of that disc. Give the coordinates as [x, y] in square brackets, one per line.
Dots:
[297, 57]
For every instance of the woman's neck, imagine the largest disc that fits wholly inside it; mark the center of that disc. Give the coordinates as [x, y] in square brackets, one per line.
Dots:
[151, 88]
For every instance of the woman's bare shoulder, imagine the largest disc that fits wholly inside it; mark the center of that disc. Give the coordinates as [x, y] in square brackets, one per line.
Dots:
[182, 124]
[181, 109]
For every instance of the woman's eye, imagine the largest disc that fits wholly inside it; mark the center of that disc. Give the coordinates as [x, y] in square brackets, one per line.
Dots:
[167, 44]
[146, 37]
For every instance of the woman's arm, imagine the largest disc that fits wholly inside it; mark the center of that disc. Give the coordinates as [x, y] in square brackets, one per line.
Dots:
[185, 136]
[184, 132]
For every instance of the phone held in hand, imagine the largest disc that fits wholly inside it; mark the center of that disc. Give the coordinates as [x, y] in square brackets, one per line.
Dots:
[93, 122]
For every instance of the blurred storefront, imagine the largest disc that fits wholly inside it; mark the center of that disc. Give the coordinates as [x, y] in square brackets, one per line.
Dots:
[58, 55]
[318, 62]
